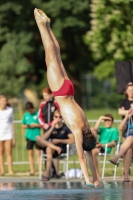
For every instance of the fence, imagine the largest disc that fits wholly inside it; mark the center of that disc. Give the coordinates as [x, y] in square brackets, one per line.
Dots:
[20, 154]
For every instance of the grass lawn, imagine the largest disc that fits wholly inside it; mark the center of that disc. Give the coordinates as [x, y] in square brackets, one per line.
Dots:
[90, 114]
[96, 113]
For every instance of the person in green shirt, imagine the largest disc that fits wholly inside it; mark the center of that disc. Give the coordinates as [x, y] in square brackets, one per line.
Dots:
[106, 135]
[31, 124]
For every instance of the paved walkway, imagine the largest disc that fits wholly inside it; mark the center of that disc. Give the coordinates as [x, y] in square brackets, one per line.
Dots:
[5, 179]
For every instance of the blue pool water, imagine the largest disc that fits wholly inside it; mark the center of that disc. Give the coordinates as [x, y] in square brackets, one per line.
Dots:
[65, 191]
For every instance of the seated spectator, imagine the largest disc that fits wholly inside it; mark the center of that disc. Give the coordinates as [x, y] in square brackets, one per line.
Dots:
[124, 107]
[60, 136]
[32, 126]
[126, 126]
[107, 135]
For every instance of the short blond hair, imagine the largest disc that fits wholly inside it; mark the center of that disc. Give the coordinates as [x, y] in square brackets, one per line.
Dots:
[57, 112]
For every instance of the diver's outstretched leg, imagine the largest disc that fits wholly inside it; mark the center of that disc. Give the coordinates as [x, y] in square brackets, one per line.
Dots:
[58, 52]
[55, 73]
[57, 47]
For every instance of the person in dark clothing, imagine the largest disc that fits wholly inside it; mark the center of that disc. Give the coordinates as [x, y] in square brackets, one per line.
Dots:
[60, 135]
[125, 106]
[126, 103]
[127, 126]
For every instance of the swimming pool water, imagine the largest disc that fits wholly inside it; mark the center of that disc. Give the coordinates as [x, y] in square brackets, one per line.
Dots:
[65, 191]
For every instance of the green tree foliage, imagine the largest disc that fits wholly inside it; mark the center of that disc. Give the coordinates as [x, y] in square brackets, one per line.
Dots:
[21, 51]
[15, 47]
[70, 21]
[110, 38]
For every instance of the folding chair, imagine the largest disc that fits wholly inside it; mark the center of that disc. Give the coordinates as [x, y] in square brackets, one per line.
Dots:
[117, 150]
[105, 156]
[64, 157]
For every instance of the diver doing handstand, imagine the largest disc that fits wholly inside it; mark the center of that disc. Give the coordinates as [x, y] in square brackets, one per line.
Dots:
[63, 91]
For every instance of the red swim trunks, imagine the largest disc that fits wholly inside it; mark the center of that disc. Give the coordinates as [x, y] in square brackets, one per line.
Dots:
[67, 89]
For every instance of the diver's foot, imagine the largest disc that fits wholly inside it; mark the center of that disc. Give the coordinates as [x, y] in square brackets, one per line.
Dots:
[90, 184]
[44, 15]
[97, 184]
[39, 18]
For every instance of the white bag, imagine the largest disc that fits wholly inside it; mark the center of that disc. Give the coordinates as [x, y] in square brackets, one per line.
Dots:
[74, 173]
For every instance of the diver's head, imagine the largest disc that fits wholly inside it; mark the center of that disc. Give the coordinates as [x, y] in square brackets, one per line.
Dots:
[89, 141]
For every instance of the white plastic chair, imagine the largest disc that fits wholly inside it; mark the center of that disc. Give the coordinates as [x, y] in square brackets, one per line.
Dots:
[111, 155]
[117, 150]
[64, 158]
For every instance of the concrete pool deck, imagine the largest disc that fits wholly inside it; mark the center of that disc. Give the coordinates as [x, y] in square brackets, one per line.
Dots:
[6, 179]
